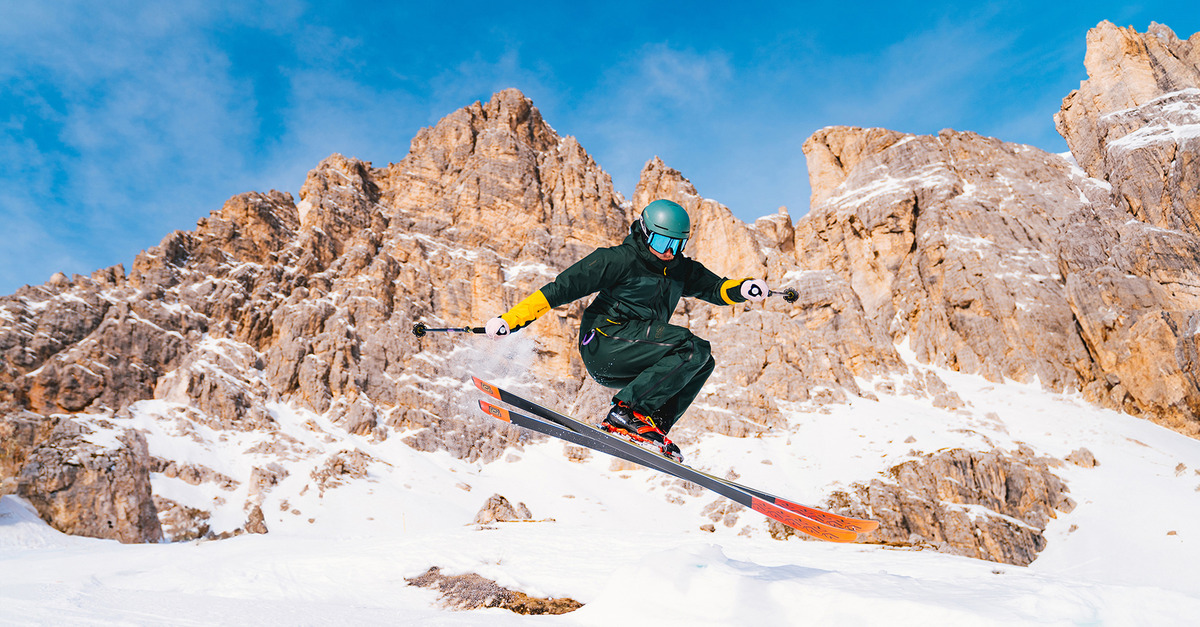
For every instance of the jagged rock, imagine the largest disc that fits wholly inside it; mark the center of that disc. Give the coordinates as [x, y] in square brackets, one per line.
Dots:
[723, 511]
[83, 346]
[255, 522]
[499, 509]
[264, 478]
[951, 242]
[1083, 457]
[193, 474]
[219, 378]
[338, 469]
[997, 259]
[990, 505]
[20, 433]
[833, 155]
[1134, 124]
[181, 523]
[80, 480]
[471, 591]
[578, 454]
[1135, 121]
[358, 415]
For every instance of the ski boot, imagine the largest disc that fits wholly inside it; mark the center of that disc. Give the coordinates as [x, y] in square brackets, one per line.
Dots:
[622, 420]
[670, 450]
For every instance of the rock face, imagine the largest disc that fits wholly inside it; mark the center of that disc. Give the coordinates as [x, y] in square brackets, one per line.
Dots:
[950, 242]
[990, 505]
[1135, 125]
[278, 331]
[1135, 122]
[1002, 260]
[80, 483]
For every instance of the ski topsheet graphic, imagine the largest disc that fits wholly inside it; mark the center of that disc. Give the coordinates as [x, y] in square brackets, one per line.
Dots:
[815, 522]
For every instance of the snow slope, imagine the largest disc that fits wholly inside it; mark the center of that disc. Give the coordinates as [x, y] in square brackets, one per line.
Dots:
[605, 535]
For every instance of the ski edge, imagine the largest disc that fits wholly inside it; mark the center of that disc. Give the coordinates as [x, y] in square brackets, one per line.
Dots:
[848, 523]
[645, 458]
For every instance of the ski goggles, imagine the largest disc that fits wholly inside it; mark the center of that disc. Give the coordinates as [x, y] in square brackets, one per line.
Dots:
[660, 243]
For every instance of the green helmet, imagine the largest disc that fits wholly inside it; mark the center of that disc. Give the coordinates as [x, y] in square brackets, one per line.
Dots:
[667, 218]
[666, 226]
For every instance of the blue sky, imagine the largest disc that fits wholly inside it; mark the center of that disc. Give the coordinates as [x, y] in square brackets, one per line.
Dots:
[122, 121]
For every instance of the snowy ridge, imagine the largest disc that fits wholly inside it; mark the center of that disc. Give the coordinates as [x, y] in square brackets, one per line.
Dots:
[1177, 121]
[881, 183]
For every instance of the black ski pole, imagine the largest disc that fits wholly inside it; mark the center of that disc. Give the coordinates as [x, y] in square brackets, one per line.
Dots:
[420, 329]
[789, 294]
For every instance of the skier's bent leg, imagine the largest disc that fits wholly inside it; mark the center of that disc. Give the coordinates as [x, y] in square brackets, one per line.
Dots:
[670, 412]
[680, 372]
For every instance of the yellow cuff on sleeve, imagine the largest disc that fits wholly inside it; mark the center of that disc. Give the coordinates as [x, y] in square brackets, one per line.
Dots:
[526, 311]
[732, 286]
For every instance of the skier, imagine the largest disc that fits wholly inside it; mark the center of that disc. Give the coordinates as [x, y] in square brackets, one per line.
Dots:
[624, 338]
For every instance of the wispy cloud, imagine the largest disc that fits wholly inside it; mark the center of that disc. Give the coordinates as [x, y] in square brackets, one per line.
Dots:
[658, 99]
[332, 112]
[658, 82]
[124, 114]
[683, 77]
[928, 78]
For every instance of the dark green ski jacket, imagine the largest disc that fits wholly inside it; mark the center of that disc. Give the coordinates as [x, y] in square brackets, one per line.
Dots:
[633, 284]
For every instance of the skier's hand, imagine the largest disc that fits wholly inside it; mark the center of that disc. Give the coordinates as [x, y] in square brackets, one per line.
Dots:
[496, 327]
[755, 290]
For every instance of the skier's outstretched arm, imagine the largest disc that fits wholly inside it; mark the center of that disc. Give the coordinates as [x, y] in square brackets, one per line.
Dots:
[519, 317]
[705, 284]
[589, 275]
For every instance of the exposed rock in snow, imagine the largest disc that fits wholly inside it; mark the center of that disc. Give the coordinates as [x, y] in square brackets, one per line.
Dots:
[499, 509]
[471, 591]
[79, 478]
[992, 505]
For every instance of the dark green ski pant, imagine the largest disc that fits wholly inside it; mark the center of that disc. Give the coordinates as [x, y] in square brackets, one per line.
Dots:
[658, 367]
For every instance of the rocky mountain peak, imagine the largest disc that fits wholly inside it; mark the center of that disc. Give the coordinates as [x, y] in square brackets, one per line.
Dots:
[833, 152]
[1135, 122]
[498, 173]
[1129, 69]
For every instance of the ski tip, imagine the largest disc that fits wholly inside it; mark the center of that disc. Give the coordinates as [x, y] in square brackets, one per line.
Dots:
[796, 521]
[498, 413]
[487, 388]
[836, 520]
